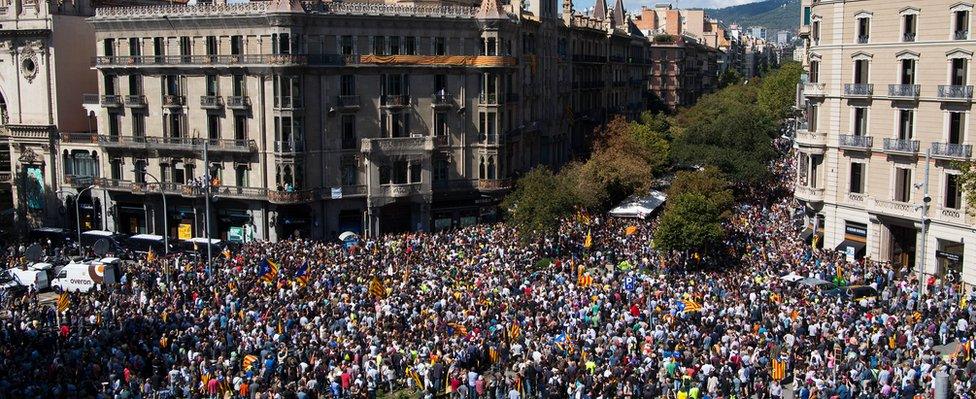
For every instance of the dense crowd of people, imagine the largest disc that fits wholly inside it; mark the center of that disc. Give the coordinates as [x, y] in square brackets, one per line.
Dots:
[482, 312]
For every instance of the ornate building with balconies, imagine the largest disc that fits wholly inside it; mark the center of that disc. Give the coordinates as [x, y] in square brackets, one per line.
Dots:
[320, 117]
[887, 118]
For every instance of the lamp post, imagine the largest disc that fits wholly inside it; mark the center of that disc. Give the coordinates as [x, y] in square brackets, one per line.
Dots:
[165, 220]
[78, 213]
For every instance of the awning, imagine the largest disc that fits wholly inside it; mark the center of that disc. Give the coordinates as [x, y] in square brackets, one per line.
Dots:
[857, 247]
[806, 235]
[639, 206]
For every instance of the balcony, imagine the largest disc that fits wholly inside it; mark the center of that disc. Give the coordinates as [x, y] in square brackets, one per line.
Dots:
[201, 60]
[79, 138]
[397, 146]
[960, 34]
[287, 103]
[239, 102]
[952, 215]
[494, 184]
[904, 210]
[288, 147]
[814, 89]
[77, 181]
[122, 142]
[173, 101]
[856, 198]
[229, 145]
[395, 101]
[211, 102]
[900, 146]
[908, 37]
[855, 142]
[955, 92]
[111, 101]
[442, 100]
[401, 190]
[90, 99]
[353, 190]
[589, 58]
[806, 138]
[6, 177]
[451, 185]
[135, 101]
[952, 151]
[239, 192]
[290, 197]
[808, 194]
[904, 91]
[858, 90]
[863, 39]
[176, 143]
[347, 102]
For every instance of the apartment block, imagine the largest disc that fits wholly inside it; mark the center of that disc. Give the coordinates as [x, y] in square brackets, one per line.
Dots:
[314, 118]
[887, 104]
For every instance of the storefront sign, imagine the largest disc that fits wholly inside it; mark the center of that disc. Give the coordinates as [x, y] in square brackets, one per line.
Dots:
[235, 234]
[185, 231]
[849, 251]
[336, 192]
[949, 256]
[857, 230]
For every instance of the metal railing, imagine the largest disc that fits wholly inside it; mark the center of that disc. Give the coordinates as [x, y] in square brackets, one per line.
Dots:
[176, 143]
[111, 100]
[396, 100]
[950, 150]
[900, 145]
[494, 184]
[199, 60]
[863, 39]
[347, 101]
[173, 100]
[79, 137]
[211, 102]
[955, 92]
[489, 98]
[90, 98]
[442, 99]
[238, 102]
[287, 102]
[909, 91]
[135, 101]
[858, 89]
[908, 37]
[960, 34]
[855, 141]
[289, 146]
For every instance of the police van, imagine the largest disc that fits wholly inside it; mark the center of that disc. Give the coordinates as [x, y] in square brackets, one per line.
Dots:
[83, 276]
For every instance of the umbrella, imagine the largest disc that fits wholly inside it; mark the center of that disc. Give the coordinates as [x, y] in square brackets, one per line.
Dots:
[348, 236]
[792, 277]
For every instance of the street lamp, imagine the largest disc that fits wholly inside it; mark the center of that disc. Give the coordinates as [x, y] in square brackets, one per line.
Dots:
[78, 213]
[165, 221]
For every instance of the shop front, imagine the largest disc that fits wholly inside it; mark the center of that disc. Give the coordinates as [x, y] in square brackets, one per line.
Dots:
[233, 223]
[855, 240]
[949, 260]
[293, 222]
[130, 218]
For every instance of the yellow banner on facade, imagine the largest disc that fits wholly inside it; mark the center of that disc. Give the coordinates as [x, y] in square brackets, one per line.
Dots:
[457, 60]
[185, 232]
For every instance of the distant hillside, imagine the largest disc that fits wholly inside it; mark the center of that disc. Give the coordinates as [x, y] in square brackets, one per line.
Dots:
[773, 14]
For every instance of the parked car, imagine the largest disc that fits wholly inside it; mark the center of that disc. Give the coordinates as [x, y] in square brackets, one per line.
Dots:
[141, 243]
[198, 245]
[83, 276]
[115, 240]
[55, 235]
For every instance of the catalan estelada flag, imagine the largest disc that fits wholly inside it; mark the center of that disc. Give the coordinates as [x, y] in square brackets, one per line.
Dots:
[584, 280]
[268, 270]
[301, 275]
[779, 369]
[63, 302]
[458, 328]
[493, 355]
[514, 331]
[588, 242]
[249, 361]
[151, 255]
[376, 288]
[691, 306]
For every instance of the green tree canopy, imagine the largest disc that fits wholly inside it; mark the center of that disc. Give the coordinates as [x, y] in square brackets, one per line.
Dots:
[539, 200]
[777, 91]
[691, 222]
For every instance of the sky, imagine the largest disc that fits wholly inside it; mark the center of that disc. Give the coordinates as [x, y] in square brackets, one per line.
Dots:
[636, 4]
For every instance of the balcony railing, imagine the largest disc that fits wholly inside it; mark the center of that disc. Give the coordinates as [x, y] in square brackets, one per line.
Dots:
[111, 100]
[953, 215]
[494, 184]
[199, 60]
[401, 190]
[863, 39]
[290, 197]
[6, 177]
[489, 98]
[347, 101]
[855, 142]
[135, 101]
[814, 89]
[900, 146]
[238, 102]
[397, 145]
[91, 99]
[354, 190]
[905, 91]
[211, 102]
[952, 151]
[176, 143]
[908, 37]
[956, 92]
[289, 146]
[589, 58]
[811, 139]
[960, 34]
[396, 100]
[80, 138]
[905, 210]
[858, 89]
[287, 102]
[239, 192]
[442, 100]
[173, 101]
[809, 194]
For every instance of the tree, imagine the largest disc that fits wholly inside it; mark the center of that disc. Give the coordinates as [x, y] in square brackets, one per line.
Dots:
[777, 91]
[625, 158]
[730, 77]
[698, 203]
[967, 183]
[539, 201]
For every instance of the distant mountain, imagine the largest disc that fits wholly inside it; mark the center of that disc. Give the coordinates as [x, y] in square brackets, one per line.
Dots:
[773, 14]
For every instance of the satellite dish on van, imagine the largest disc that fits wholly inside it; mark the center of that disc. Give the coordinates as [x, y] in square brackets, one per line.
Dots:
[34, 253]
[101, 247]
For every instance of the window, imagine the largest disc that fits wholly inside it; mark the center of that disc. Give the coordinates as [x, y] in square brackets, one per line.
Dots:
[908, 26]
[379, 45]
[177, 172]
[857, 178]
[240, 176]
[81, 163]
[959, 68]
[135, 49]
[108, 47]
[116, 166]
[860, 121]
[135, 85]
[440, 123]
[185, 49]
[394, 45]
[173, 87]
[213, 126]
[240, 127]
[398, 124]
[347, 85]
[441, 170]
[957, 126]
[440, 83]
[400, 171]
[236, 45]
[175, 125]
[138, 124]
[346, 46]
[415, 171]
[240, 87]
[113, 124]
[159, 49]
[861, 69]
[211, 85]
[815, 162]
[211, 45]
[903, 185]
[384, 174]
[814, 71]
[815, 33]
[350, 174]
[906, 119]
[348, 132]
[410, 45]
[953, 192]
[440, 46]
[863, 29]
[813, 110]
[109, 85]
[282, 45]
[140, 166]
[960, 23]
[907, 71]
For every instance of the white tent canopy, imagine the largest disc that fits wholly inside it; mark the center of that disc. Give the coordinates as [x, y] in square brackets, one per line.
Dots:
[639, 206]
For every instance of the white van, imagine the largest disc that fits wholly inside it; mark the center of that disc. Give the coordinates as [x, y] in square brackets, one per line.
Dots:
[82, 276]
[36, 279]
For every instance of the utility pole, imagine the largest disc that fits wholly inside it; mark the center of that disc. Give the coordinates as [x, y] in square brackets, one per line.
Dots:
[206, 197]
[924, 209]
